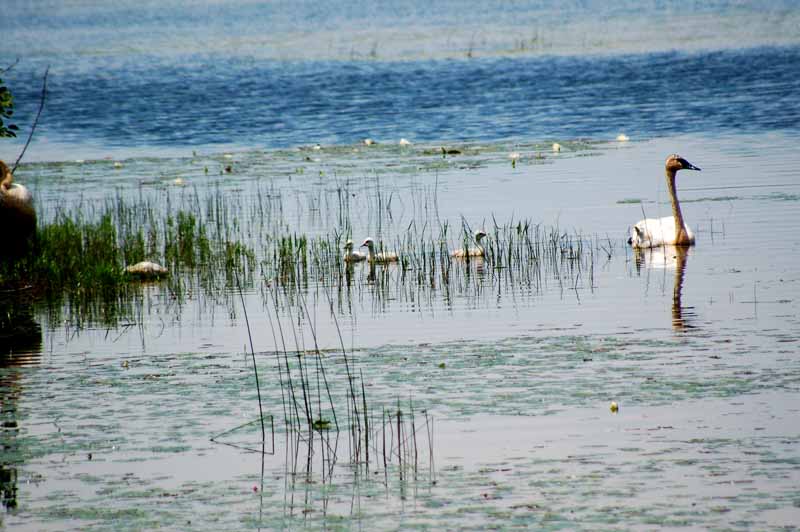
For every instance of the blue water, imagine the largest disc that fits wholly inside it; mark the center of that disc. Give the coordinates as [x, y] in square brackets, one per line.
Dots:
[131, 77]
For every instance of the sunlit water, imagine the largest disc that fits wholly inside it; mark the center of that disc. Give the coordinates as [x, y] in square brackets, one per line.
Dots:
[108, 429]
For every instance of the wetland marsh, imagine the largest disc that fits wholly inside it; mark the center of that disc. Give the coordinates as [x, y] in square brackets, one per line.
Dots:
[434, 393]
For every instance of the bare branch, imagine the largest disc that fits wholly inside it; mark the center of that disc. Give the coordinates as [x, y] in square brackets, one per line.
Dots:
[9, 67]
[36, 121]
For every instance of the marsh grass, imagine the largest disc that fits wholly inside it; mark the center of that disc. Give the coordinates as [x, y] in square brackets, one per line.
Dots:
[76, 262]
[205, 235]
[517, 254]
[324, 392]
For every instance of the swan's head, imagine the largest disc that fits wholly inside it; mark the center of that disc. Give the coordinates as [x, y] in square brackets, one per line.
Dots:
[479, 235]
[348, 246]
[675, 162]
[368, 242]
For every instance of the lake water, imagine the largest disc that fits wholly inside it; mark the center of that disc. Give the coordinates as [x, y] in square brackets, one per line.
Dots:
[509, 370]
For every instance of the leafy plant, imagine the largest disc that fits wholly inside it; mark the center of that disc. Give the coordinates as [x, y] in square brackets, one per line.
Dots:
[6, 110]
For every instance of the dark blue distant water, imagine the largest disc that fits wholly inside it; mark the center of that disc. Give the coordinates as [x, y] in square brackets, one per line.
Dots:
[277, 104]
[173, 76]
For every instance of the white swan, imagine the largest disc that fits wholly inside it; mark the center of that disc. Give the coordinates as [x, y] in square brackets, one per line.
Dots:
[17, 214]
[477, 251]
[350, 255]
[670, 230]
[378, 257]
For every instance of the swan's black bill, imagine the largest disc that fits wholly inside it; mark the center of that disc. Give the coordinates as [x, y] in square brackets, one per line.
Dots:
[687, 165]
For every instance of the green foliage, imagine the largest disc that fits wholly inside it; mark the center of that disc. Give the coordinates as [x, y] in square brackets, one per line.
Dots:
[291, 257]
[77, 266]
[6, 110]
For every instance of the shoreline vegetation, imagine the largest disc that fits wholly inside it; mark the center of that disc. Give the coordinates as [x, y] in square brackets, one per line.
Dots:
[76, 263]
[214, 234]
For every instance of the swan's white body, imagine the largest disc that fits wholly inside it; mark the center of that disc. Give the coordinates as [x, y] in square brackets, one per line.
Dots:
[378, 257]
[350, 255]
[654, 232]
[670, 230]
[477, 251]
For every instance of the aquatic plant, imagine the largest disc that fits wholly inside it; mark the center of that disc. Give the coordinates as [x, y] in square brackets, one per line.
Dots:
[206, 233]
[6, 111]
[77, 265]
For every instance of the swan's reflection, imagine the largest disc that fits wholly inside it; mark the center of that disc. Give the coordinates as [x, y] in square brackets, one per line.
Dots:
[665, 259]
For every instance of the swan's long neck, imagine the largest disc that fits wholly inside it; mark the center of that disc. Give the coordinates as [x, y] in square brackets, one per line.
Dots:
[681, 236]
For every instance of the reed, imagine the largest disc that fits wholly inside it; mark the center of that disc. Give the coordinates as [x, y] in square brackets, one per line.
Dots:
[76, 264]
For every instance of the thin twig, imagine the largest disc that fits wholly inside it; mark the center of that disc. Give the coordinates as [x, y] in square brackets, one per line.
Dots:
[12, 65]
[36, 121]
[253, 353]
[321, 366]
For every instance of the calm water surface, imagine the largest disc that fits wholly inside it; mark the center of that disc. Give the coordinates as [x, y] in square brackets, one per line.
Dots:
[110, 427]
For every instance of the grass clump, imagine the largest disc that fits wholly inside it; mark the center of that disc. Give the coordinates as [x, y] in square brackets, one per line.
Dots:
[74, 263]
[77, 266]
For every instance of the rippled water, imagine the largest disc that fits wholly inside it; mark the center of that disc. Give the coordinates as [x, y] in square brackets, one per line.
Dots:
[111, 428]
[144, 80]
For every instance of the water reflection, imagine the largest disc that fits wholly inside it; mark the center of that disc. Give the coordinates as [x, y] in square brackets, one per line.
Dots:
[670, 258]
[20, 333]
[389, 452]
[20, 346]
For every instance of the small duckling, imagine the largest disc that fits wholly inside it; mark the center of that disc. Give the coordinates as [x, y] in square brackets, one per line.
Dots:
[477, 251]
[378, 257]
[350, 255]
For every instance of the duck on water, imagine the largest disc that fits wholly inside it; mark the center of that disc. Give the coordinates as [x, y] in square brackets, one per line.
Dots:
[477, 251]
[382, 257]
[350, 255]
[670, 230]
